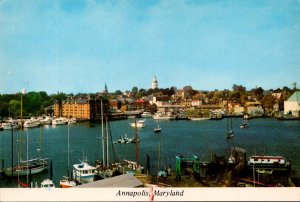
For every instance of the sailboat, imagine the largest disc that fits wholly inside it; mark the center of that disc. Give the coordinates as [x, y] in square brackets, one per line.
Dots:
[230, 132]
[105, 169]
[157, 129]
[245, 123]
[66, 182]
[24, 167]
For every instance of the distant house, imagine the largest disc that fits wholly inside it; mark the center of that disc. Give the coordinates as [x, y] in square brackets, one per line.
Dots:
[196, 103]
[254, 108]
[277, 96]
[292, 105]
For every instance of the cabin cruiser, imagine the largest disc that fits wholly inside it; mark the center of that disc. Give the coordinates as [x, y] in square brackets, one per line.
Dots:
[146, 114]
[31, 123]
[138, 124]
[59, 121]
[83, 172]
[163, 116]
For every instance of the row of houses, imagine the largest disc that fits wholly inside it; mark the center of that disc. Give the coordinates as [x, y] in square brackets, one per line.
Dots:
[89, 107]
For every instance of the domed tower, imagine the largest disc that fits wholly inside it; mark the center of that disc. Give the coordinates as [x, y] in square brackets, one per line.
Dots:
[154, 83]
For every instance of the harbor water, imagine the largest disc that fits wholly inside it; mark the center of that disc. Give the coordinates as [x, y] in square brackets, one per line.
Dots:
[200, 138]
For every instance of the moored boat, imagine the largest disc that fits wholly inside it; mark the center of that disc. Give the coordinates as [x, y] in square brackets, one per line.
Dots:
[138, 124]
[268, 162]
[83, 172]
[31, 123]
[59, 121]
[157, 129]
[198, 118]
[48, 183]
[146, 114]
[35, 165]
[163, 116]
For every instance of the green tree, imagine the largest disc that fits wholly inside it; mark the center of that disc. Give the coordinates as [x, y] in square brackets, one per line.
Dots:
[134, 90]
[15, 107]
[118, 92]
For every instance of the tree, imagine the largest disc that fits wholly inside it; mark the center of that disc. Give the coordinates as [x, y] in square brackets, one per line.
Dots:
[240, 88]
[134, 90]
[118, 92]
[15, 107]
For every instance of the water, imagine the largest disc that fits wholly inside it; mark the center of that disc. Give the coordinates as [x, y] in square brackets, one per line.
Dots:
[200, 138]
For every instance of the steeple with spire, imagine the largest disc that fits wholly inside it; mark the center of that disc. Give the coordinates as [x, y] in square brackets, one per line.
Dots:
[105, 91]
[154, 83]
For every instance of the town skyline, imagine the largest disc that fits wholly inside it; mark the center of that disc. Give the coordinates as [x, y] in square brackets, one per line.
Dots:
[77, 47]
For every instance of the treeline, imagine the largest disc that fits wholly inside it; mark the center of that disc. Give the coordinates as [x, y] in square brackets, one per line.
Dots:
[33, 103]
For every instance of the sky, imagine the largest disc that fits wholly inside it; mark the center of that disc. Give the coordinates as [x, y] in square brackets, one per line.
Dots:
[78, 46]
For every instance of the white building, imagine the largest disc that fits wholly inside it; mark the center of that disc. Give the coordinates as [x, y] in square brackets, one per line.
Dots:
[292, 105]
[154, 83]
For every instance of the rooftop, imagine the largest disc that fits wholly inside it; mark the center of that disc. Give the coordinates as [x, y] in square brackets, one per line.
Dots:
[125, 180]
[295, 97]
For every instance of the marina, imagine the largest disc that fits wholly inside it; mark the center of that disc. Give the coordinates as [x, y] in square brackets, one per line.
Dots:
[204, 139]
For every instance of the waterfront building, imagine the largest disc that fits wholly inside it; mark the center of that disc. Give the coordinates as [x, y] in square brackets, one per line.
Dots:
[82, 108]
[292, 105]
[154, 83]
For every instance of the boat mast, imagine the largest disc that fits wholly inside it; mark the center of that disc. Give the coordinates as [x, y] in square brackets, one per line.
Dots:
[107, 153]
[103, 155]
[68, 153]
[21, 114]
[12, 151]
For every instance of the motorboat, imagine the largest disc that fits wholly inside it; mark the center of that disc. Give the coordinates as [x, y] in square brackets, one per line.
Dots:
[31, 123]
[66, 183]
[45, 120]
[72, 120]
[146, 114]
[11, 125]
[124, 140]
[198, 118]
[83, 172]
[163, 116]
[59, 121]
[47, 184]
[138, 124]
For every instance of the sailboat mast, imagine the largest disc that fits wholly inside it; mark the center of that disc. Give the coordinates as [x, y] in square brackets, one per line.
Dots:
[28, 165]
[103, 155]
[107, 153]
[68, 151]
[21, 126]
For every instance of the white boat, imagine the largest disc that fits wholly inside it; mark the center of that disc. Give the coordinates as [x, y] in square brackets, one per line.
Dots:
[273, 161]
[124, 140]
[138, 124]
[72, 120]
[45, 120]
[9, 125]
[161, 116]
[59, 121]
[146, 114]
[245, 123]
[47, 184]
[31, 123]
[83, 172]
[199, 118]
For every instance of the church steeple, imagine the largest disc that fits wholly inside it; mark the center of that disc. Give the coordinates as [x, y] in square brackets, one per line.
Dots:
[105, 91]
[154, 83]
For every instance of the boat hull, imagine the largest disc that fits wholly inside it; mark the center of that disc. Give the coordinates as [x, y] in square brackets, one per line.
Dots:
[23, 172]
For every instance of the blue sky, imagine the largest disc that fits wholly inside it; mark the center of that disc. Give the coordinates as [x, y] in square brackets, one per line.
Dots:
[77, 46]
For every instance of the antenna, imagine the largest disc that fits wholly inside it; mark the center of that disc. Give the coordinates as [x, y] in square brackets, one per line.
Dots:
[294, 85]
